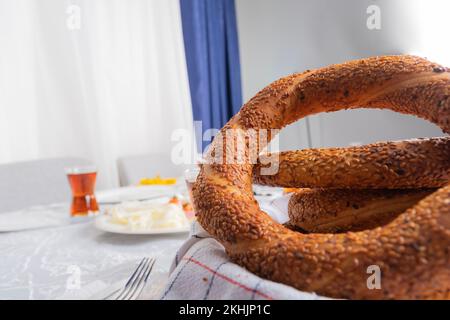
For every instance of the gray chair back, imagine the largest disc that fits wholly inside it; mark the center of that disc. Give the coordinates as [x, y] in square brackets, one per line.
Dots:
[133, 168]
[38, 182]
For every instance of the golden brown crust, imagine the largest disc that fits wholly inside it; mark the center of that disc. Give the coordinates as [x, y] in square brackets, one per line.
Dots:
[417, 163]
[342, 210]
[412, 251]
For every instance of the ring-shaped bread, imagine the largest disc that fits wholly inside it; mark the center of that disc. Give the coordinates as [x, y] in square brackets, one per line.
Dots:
[411, 253]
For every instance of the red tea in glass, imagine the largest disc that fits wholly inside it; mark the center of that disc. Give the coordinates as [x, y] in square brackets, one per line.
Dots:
[82, 182]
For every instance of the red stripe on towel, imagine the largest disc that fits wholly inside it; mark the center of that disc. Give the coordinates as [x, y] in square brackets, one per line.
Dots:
[232, 281]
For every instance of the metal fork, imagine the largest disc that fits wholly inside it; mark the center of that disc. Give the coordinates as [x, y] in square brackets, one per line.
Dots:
[136, 283]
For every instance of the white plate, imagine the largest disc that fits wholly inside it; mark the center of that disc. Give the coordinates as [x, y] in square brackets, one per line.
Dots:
[102, 223]
[135, 193]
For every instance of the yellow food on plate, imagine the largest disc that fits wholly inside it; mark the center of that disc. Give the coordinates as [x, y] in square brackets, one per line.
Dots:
[157, 181]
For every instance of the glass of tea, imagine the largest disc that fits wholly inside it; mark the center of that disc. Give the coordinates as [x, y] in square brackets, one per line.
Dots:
[82, 182]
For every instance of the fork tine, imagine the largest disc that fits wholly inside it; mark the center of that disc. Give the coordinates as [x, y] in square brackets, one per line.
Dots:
[138, 290]
[142, 261]
[153, 263]
[136, 281]
[120, 290]
[131, 280]
[131, 284]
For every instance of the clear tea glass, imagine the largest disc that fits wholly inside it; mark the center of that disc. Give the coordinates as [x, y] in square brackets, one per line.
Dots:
[82, 182]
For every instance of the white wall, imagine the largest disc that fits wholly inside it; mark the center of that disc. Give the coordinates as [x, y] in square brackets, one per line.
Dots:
[280, 37]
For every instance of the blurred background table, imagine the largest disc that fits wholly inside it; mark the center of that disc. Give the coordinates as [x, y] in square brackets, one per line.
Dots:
[73, 260]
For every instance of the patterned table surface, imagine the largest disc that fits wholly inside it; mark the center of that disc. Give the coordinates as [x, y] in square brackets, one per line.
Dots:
[75, 260]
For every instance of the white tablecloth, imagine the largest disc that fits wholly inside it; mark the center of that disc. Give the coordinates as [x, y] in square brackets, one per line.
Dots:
[69, 260]
[77, 260]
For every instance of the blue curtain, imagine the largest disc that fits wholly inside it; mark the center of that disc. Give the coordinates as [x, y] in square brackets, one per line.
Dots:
[212, 56]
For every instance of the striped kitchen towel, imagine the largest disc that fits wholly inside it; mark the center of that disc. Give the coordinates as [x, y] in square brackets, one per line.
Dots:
[202, 270]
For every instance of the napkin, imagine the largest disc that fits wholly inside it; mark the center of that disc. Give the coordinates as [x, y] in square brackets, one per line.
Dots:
[202, 270]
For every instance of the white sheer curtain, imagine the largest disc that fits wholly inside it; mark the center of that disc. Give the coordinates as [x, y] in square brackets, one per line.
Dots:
[96, 79]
